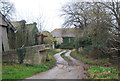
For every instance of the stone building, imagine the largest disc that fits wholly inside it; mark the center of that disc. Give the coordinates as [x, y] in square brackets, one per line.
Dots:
[31, 31]
[20, 34]
[6, 28]
[25, 35]
[65, 36]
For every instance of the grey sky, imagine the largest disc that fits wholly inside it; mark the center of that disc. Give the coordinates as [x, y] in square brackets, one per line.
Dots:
[30, 10]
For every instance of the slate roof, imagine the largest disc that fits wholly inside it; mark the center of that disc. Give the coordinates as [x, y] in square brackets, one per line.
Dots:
[8, 22]
[64, 32]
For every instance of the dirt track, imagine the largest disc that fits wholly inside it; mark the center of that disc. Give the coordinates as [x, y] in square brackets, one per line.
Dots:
[63, 70]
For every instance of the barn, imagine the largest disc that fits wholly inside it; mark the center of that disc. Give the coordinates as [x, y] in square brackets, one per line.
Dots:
[5, 25]
[65, 37]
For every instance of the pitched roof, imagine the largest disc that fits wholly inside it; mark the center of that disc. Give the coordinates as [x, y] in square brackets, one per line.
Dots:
[7, 21]
[64, 32]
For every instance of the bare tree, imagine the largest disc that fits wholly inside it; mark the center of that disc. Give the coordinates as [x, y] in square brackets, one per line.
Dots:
[75, 14]
[100, 19]
[41, 22]
[114, 10]
[7, 8]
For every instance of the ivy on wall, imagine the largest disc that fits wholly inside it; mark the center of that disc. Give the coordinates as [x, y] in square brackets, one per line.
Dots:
[21, 54]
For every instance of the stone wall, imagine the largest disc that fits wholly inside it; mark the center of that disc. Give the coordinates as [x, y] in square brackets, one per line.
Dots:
[33, 55]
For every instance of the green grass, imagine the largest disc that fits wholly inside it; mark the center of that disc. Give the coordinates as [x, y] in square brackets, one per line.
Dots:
[64, 57]
[17, 71]
[86, 60]
[102, 73]
[98, 69]
[52, 52]
[0, 71]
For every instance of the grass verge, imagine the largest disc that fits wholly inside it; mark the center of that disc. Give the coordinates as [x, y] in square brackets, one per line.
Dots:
[97, 62]
[102, 73]
[19, 71]
[100, 68]
[64, 57]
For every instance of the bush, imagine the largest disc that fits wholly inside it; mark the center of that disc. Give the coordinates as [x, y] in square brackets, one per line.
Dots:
[83, 42]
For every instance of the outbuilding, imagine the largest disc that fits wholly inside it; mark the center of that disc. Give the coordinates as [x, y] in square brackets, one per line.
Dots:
[4, 26]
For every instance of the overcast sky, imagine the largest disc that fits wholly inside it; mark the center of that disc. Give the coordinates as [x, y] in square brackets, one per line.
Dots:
[30, 10]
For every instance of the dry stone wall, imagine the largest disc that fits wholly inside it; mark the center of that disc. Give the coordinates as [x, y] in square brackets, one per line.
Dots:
[34, 55]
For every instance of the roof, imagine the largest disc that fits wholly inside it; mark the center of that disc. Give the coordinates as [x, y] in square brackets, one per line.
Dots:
[8, 22]
[64, 32]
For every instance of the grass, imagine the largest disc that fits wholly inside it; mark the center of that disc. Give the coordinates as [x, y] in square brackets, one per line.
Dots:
[102, 73]
[86, 60]
[0, 71]
[19, 71]
[101, 68]
[64, 57]
[52, 52]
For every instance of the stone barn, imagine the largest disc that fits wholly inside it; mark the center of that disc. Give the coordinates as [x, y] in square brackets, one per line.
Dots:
[25, 35]
[65, 37]
[5, 25]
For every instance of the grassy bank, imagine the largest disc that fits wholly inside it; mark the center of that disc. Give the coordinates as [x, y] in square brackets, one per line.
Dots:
[0, 71]
[96, 72]
[17, 71]
[64, 57]
[51, 57]
[100, 68]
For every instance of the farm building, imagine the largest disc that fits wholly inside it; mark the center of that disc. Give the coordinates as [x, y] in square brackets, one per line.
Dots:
[6, 28]
[25, 35]
[20, 34]
[31, 31]
[65, 37]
